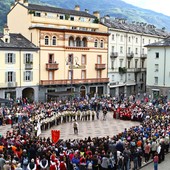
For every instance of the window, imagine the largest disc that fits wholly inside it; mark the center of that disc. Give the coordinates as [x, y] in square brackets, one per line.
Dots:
[70, 74]
[37, 14]
[113, 77]
[136, 63]
[71, 42]
[10, 58]
[6, 40]
[82, 19]
[70, 59]
[46, 40]
[129, 50]
[50, 58]
[95, 43]
[28, 76]
[99, 59]
[113, 49]
[121, 62]
[121, 49]
[129, 39]
[121, 38]
[113, 37]
[54, 41]
[149, 41]
[84, 42]
[128, 63]
[143, 51]
[143, 63]
[143, 40]
[83, 74]
[10, 76]
[156, 67]
[72, 18]
[101, 44]
[61, 16]
[157, 55]
[83, 59]
[136, 51]
[28, 58]
[99, 74]
[78, 42]
[156, 80]
[136, 40]
[112, 64]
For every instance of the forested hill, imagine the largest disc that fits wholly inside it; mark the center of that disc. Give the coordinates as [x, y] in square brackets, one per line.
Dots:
[114, 8]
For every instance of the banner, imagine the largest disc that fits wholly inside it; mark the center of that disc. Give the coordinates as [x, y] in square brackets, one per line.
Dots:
[55, 135]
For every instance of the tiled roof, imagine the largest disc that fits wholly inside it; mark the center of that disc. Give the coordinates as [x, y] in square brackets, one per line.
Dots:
[163, 43]
[59, 10]
[134, 27]
[17, 41]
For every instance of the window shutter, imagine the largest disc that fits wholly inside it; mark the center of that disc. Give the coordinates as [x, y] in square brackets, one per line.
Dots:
[31, 76]
[24, 57]
[6, 76]
[14, 77]
[14, 58]
[6, 58]
[24, 76]
[31, 58]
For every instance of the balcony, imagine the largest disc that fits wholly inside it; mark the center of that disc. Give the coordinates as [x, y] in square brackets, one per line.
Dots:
[100, 66]
[114, 55]
[11, 84]
[136, 70]
[143, 56]
[52, 66]
[28, 66]
[130, 55]
[75, 81]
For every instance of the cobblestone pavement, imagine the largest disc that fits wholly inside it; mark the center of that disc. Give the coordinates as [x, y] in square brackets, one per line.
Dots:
[96, 128]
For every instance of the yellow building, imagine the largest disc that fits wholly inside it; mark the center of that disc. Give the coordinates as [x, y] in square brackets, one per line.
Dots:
[19, 67]
[73, 47]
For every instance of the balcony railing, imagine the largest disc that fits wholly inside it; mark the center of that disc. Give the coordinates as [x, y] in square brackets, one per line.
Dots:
[11, 84]
[75, 81]
[28, 66]
[52, 66]
[114, 55]
[144, 56]
[130, 55]
[100, 66]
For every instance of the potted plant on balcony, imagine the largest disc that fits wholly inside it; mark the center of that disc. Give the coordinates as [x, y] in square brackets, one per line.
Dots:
[122, 70]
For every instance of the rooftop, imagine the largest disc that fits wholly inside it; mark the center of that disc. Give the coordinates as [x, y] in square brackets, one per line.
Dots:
[17, 41]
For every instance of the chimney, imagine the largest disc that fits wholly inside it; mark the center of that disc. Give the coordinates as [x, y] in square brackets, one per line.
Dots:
[6, 37]
[77, 8]
[96, 14]
[86, 10]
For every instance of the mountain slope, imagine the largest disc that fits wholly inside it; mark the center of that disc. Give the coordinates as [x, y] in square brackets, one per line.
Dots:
[116, 8]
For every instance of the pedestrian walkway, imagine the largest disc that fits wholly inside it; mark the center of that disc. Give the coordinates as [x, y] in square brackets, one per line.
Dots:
[96, 128]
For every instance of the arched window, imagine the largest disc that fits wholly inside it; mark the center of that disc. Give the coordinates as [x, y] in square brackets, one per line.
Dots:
[78, 42]
[84, 42]
[101, 44]
[71, 42]
[46, 40]
[95, 43]
[54, 40]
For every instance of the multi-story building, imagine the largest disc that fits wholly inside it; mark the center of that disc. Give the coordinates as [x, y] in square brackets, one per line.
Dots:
[127, 54]
[73, 47]
[158, 69]
[19, 66]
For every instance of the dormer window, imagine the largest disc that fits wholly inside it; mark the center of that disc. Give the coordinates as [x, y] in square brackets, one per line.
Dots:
[37, 14]
[61, 16]
[71, 18]
[6, 40]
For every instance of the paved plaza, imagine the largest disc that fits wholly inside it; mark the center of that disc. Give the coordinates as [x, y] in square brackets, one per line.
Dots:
[96, 128]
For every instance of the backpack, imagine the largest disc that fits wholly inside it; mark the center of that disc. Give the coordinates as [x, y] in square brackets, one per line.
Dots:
[25, 161]
[90, 165]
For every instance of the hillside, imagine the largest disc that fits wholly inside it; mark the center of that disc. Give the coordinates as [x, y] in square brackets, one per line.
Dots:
[116, 8]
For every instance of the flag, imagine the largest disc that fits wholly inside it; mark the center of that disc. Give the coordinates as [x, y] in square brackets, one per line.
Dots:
[55, 134]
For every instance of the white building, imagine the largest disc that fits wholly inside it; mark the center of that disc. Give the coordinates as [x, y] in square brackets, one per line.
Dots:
[127, 54]
[158, 68]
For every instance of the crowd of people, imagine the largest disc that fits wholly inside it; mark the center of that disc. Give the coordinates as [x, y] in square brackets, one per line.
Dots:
[22, 148]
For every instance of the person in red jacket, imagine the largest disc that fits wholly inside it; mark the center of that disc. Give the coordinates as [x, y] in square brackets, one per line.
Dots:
[62, 164]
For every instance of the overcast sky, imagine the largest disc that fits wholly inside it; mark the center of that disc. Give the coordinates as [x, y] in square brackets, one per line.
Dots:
[162, 6]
